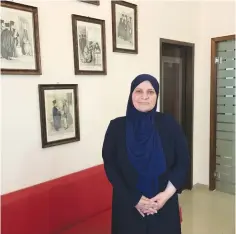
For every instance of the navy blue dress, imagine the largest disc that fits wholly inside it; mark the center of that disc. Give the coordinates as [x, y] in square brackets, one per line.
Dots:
[123, 177]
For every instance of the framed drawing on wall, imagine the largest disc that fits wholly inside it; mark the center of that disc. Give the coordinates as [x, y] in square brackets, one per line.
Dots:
[91, 2]
[59, 115]
[89, 45]
[20, 45]
[124, 27]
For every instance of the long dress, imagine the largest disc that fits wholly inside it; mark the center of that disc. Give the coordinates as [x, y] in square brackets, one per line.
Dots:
[123, 178]
[7, 44]
[56, 118]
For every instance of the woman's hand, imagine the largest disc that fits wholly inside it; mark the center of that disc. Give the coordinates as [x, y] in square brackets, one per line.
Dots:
[151, 206]
[162, 197]
[146, 206]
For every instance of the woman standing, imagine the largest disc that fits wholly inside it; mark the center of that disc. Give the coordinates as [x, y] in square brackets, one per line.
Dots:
[146, 160]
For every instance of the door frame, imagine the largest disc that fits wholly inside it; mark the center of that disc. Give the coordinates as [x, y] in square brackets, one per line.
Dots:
[213, 103]
[190, 48]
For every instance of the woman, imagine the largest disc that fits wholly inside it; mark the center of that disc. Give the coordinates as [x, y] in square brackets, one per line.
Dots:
[56, 113]
[146, 160]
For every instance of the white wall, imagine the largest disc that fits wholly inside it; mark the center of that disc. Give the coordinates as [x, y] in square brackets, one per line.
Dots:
[24, 162]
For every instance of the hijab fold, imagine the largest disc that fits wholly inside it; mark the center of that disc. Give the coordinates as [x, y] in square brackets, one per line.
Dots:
[143, 142]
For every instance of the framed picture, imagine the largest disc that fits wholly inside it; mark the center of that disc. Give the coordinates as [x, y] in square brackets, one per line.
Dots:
[91, 2]
[124, 27]
[20, 45]
[89, 45]
[59, 114]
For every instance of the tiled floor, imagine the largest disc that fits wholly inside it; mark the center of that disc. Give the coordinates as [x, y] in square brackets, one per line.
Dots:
[206, 212]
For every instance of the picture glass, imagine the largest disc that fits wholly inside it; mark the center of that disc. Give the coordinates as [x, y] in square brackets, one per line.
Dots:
[90, 46]
[60, 114]
[17, 39]
[124, 27]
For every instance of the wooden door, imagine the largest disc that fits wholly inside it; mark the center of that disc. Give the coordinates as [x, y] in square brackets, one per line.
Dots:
[222, 143]
[176, 87]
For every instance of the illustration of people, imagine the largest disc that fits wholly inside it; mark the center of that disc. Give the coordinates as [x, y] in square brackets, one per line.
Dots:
[92, 51]
[2, 28]
[122, 27]
[129, 29]
[97, 54]
[2, 25]
[67, 117]
[25, 44]
[7, 42]
[82, 42]
[14, 38]
[18, 49]
[56, 116]
[125, 29]
[87, 55]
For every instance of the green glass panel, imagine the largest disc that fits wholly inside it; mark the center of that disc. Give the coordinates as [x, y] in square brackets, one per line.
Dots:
[226, 91]
[225, 118]
[225, 135]
[227, 64]
[225, 149]
[226, 100]
[225, 125]
[224, 160]
[225, 187]
[226, 109]
[226, 73]
[227, 171]
[226, 45]
[227, 178]
[229, 127]
[226, 82]
[226, 54]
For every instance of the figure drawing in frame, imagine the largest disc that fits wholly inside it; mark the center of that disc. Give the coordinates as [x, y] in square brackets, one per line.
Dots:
[89, 45]
[20, 49]
[124, 27]
[59, 114]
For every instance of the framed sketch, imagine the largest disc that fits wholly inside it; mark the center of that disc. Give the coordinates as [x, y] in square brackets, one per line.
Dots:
[59, 114]
[124, 27]
[89, 45]
[91, 2]
[20, 45]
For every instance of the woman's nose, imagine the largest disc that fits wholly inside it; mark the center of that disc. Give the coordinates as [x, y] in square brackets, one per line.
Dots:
[145, 96]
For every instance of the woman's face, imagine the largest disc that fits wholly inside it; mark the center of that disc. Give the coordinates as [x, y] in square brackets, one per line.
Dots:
[144, 97]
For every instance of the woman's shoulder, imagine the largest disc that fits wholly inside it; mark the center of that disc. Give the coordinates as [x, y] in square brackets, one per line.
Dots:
[116, 125]
[118, 120]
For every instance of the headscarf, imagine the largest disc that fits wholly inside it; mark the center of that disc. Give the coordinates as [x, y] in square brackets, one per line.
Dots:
[143, 142]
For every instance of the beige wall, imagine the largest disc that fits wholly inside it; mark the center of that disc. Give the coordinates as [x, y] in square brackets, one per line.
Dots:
[101, 98]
